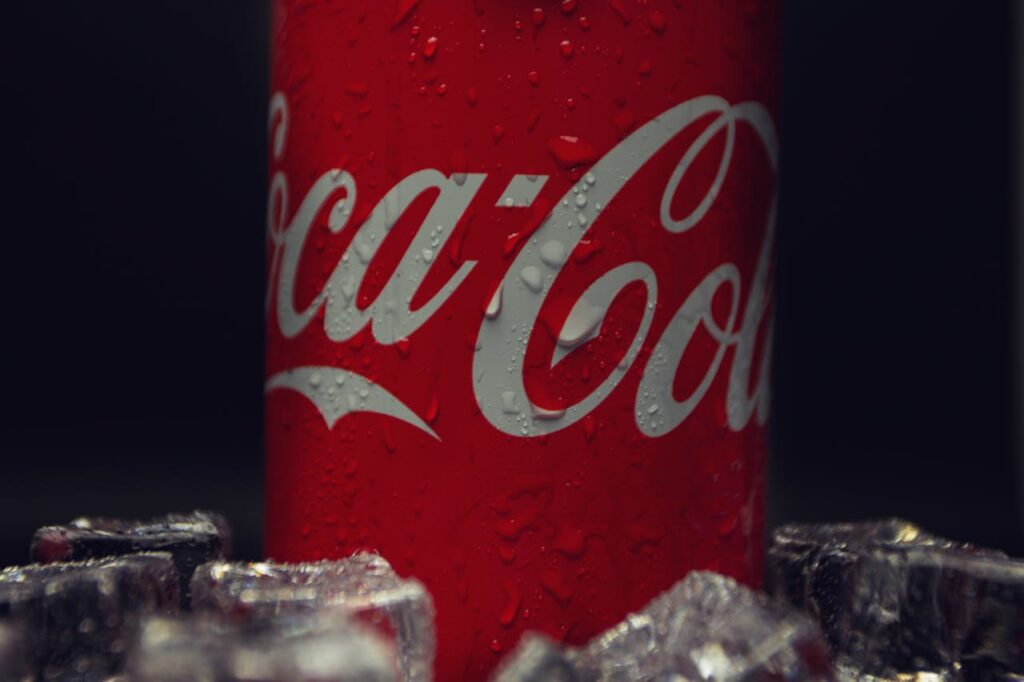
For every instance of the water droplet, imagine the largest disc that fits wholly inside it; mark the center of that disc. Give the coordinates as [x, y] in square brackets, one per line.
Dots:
[428, 255]
[619, 7]
[357, 89]
[586, 250]
[657, 20]
[643, 537]
[584, 23]
[493, 308]
[645, 68]
[565, 47]
[589, 178]
[509, 202]
[430, 47]
[581, 324]
[471, 96]
[508, 402]
[728, 523]
[589, 427]
[569, 6]
[402, 12]
[433, 409]
[512, 243]
[581, 200]
[534, 78]
[570, 151]
[569, 541]
[531, 123]
[553, 254]
[653, 408]
[546, 413]
[498, 132]
[314, 379]
[532, 278]
[511, 607]
[538, 16]
[557, 584]
[364, 252]
[507, 553]
[625, 122]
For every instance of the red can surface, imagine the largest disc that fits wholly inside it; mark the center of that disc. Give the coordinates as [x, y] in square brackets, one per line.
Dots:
[518, 300]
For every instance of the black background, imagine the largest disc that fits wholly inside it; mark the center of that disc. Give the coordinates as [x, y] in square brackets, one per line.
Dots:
[132, 202]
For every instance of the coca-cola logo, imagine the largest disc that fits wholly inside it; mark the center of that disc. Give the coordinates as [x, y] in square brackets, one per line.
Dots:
[513, 311]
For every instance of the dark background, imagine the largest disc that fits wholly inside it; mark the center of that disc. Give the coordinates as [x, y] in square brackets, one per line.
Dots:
[132, 208]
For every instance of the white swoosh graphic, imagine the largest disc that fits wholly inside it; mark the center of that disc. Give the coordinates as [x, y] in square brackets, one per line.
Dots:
[336, 392]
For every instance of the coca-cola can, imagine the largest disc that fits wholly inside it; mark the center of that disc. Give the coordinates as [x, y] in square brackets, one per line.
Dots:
[519, 300]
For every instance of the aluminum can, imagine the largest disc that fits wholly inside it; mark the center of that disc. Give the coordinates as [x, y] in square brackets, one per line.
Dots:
[519, 300]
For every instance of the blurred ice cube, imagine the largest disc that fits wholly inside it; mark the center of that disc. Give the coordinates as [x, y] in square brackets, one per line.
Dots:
[708, 627]
[848, 674]
[192, 539]
[363, 586]
[14, 664]
[537, 659]
[78, 617]
[295, 648]
[895, 600]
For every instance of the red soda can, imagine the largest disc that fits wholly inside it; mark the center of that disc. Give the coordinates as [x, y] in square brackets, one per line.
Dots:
[519, 300]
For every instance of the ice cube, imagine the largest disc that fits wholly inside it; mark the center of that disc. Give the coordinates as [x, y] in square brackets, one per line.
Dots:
[79, 616]
[14, 664]
[847, 674]
[537, 659]
[895, 600]
[708, 627]
[192, 539]
[363, 586]
[302, 647]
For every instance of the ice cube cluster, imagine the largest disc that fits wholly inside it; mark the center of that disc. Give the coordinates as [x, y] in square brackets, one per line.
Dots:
[161, 601]
[192, 539]
[896, 602]
[308, 647]
[706, 627]
[75, 620]
[364, 587]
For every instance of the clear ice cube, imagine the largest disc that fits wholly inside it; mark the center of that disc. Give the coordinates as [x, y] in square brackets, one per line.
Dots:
[896, 601]
[192, 539]
[708, 627]
[301, 647]
[78, 617]
[363, 586]
[537, 659]
[14, 663]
